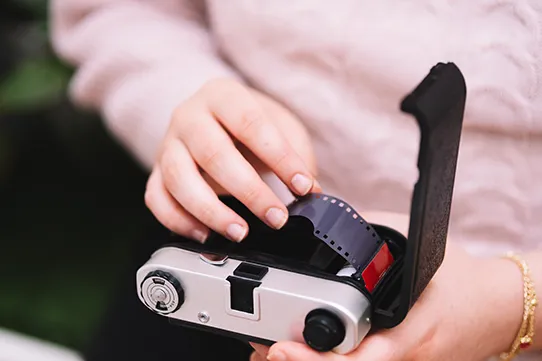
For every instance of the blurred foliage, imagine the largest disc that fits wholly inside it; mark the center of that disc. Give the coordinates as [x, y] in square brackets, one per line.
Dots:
[34, 83]
[71, 197]
[35, 78]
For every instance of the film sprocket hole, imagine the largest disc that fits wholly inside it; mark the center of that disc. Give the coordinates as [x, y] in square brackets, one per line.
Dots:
[328, 278]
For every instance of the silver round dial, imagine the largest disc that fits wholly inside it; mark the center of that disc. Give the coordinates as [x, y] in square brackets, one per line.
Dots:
[162, 292]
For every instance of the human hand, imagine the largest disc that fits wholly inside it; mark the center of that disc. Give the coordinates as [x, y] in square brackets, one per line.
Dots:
[220, 141]
[470, 311]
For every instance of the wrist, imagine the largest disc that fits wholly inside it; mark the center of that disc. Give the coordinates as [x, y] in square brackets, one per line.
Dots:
[504, 301]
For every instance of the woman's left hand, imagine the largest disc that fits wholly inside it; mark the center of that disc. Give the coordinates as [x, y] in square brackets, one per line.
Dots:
[470, 311]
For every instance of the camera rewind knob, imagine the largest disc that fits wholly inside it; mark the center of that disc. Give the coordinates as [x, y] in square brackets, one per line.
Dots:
[162, 292]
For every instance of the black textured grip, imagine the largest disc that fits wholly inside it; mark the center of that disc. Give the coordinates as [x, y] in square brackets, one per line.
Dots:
[438, 105]
[339, 226]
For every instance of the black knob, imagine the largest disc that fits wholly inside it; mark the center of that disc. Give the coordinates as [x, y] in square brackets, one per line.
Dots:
[162, 292]
[323, 330]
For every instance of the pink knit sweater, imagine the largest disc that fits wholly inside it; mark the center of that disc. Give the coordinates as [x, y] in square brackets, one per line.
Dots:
[343, 68]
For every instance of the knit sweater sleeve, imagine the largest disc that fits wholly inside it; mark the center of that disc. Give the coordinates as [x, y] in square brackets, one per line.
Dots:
[135, 61]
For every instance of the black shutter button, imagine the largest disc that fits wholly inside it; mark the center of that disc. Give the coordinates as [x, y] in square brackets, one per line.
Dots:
[323, 330]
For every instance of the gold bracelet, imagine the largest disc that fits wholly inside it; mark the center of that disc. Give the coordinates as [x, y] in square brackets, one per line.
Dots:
[525, 336]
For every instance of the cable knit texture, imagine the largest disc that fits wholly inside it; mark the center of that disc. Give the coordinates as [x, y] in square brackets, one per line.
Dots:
[343, 68]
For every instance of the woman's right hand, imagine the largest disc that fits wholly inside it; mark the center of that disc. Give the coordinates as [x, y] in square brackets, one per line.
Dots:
[219, 141]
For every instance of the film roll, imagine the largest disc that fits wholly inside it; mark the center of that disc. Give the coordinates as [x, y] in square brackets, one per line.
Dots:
[338, 225]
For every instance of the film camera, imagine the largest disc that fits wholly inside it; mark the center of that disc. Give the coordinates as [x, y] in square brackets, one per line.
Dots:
[329, 277]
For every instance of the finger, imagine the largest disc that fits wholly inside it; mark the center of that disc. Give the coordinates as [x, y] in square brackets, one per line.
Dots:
[221, 160]
[291, 128]
[316, 188]
[245, 119]
[168, 212]
[256, 357]
[262, 169]
[260, 349]
[294, 351]
[185, 183]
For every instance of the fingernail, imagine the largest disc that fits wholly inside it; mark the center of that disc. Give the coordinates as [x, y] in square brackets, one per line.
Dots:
[276, 356]
[200, 235]
[236, 232]
[301, 184]
[276, 217]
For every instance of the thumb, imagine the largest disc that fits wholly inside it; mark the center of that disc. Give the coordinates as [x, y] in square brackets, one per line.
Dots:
[261, 350]
[256, 357]
[293, 351]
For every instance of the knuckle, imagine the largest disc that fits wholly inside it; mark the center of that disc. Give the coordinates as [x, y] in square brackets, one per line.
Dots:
[183, 111]
[170, 168]
[226, 93]
[252, 194]
[210, 156]
[149, 198]
[207, 214]
[225, 98]
[280, 158]
[183, 118]
[179, 113]
[168, 221]
[171, 219]
[251, 121]
[168, 216]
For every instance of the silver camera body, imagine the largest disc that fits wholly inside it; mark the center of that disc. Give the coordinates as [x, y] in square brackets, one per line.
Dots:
[253, 300]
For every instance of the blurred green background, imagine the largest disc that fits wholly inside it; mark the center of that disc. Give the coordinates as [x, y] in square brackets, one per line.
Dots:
[71, 198]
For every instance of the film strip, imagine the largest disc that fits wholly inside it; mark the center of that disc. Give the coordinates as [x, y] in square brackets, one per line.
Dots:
[338, 225]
